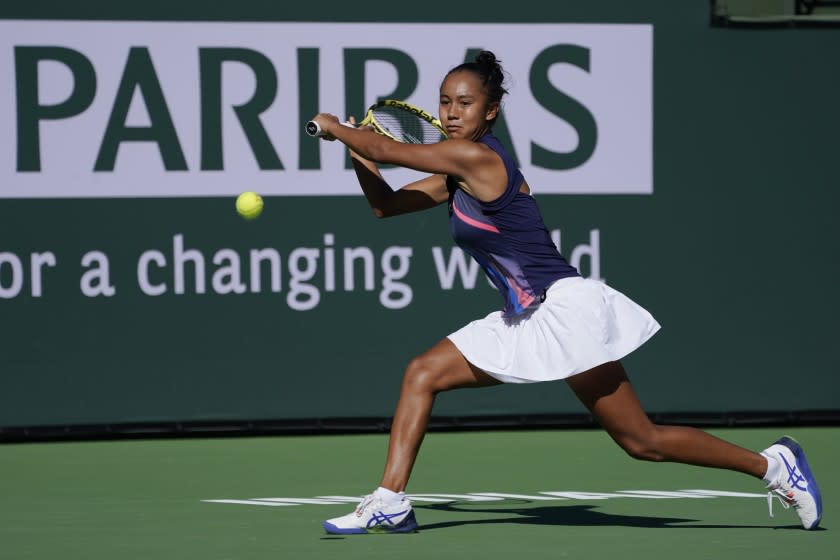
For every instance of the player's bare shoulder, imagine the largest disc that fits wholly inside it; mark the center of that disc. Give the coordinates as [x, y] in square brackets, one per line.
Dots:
[471, 156]
[484, 175]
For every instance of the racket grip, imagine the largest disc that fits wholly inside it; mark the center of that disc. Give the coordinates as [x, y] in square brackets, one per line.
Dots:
[314, 129]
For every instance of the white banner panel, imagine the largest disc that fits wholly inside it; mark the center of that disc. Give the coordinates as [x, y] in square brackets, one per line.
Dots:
[115, 109]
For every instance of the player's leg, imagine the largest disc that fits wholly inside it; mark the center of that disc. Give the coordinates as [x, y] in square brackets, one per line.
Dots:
[606, 391]
[439, 369]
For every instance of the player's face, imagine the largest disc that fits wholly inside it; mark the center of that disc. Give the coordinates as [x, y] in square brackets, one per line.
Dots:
[464, 109]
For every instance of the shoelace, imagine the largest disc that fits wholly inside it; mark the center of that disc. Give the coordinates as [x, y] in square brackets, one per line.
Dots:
[784, 496]
[364, 504]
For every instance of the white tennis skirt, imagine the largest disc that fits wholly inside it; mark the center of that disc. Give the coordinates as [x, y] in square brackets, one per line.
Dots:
[581, 324]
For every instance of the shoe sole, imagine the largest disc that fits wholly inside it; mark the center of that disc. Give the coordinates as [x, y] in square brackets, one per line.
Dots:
[407, 525]
[802, 462]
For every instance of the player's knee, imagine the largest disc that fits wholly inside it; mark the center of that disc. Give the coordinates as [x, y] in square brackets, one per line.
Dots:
[420, 375]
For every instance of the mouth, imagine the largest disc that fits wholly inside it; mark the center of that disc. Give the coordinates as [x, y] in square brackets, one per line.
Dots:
[450, 129]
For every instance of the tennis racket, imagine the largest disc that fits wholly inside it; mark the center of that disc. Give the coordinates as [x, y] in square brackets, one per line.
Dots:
[398, 121]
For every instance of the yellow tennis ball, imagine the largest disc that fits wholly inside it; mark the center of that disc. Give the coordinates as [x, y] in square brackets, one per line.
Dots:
[249, 205]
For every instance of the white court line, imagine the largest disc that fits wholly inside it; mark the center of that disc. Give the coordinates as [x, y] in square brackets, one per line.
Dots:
[500, 497]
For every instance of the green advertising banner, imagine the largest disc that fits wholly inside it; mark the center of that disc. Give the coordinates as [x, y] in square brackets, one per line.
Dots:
[689, 166]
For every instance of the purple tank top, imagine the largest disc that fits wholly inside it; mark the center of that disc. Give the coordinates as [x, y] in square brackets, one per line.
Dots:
[508, 238]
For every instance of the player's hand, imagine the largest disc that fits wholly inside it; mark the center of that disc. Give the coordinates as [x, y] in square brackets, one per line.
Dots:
[326, 121]
[352, 120]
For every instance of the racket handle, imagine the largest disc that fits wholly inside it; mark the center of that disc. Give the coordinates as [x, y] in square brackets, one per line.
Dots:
[314, 129]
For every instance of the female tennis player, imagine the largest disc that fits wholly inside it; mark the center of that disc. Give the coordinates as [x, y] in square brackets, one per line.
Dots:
[555, 324]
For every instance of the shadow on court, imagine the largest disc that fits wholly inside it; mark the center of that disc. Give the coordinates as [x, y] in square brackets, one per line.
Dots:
[577, 515]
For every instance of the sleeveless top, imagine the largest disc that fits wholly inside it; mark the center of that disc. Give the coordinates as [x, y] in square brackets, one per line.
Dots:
[508, 239]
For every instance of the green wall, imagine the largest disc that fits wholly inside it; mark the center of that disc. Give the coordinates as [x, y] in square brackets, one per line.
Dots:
[735, 253]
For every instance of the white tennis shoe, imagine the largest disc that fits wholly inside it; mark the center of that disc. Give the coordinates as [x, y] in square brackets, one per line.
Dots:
[373, 515]
[795, 485]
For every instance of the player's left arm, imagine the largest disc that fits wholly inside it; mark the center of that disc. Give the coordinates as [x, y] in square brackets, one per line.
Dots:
[481, 170]
[450, 157]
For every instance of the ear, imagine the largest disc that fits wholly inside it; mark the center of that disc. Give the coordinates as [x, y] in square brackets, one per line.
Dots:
[492, 111]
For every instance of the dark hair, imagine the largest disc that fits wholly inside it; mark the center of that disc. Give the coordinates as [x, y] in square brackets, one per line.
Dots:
[489, 70]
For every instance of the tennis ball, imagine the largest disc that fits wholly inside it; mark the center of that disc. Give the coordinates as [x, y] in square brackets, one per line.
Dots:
[249, 205]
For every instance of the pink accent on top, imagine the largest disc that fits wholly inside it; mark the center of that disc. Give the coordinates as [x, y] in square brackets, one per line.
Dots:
[473, 222]
[525, 299]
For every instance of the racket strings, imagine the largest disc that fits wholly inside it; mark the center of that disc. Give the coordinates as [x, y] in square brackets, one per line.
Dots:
[406, 126]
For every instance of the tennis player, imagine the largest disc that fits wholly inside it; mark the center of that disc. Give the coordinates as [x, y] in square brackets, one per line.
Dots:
[555, 324]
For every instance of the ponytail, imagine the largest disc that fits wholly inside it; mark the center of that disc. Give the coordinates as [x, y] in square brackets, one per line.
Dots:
[489, 71]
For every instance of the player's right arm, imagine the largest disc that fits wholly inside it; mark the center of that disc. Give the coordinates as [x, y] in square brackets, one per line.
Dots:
[385, 201]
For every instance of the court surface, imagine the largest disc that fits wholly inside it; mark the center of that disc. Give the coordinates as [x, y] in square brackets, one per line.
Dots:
[488, 495]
